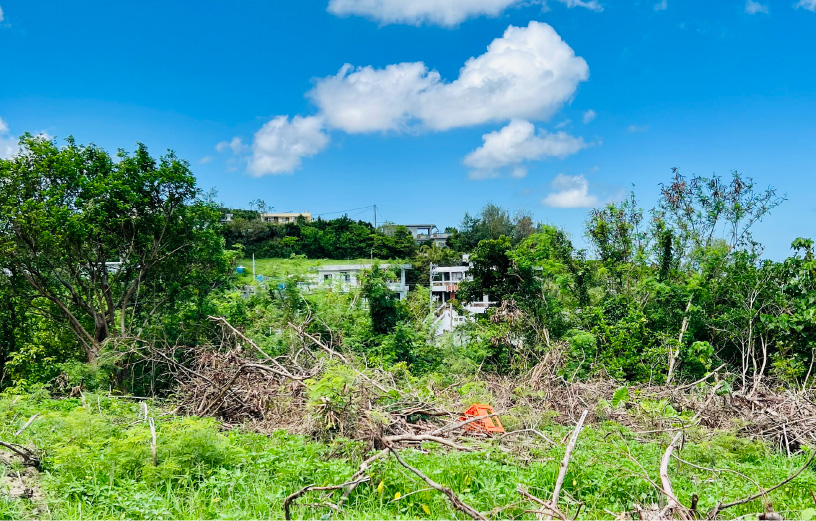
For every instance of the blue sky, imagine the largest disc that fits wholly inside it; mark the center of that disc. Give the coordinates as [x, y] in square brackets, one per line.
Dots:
[444, 106]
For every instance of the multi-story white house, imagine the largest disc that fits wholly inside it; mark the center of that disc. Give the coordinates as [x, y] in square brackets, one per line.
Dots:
[445, 281]
[347, 276]
[421, 233]
[284, 218]
[428, 232]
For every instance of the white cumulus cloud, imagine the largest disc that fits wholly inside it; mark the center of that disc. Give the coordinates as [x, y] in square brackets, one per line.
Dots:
[810, 5]
[416, 12]
[280, 144]
[589, 115]
[570, 192]
[527, 73]
[516, 143]
[752, 7]
[367, 99]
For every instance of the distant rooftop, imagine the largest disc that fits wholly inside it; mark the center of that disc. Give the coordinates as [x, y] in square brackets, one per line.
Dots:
[357, 267]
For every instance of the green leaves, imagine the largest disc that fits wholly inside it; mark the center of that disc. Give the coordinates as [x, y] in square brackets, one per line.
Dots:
[67, 214]
[620, 397]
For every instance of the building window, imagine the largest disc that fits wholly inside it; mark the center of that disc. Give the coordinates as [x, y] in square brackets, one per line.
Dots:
[327, 276]
[345, 276]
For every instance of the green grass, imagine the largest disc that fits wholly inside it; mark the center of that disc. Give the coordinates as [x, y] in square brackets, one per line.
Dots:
[282, 268]
[97, 465]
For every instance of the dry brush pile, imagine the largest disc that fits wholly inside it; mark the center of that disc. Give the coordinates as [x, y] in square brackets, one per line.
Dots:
[242, 385]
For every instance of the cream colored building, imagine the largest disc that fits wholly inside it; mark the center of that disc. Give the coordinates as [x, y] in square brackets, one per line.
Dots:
[284, 218]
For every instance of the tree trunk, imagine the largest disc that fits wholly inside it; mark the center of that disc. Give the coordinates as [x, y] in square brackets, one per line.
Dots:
[674, 355]
[101, 333]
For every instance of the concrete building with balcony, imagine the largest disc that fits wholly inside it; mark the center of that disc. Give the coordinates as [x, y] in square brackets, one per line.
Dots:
[347, 276]
[445, 281]
[421, 233]
[284, 217]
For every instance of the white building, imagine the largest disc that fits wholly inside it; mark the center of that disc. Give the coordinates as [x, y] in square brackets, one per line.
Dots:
[445, 281]
[447, 318]
[347, 276]
[284, 218]
[421, 233]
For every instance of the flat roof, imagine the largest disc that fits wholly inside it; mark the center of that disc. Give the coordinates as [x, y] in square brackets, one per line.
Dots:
[451, 268]
[352, 267]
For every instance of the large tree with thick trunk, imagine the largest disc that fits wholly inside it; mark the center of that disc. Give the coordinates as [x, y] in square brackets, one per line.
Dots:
[109, 241]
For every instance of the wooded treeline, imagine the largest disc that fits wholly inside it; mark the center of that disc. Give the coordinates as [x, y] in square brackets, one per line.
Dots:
[341, 238]
[101, 256]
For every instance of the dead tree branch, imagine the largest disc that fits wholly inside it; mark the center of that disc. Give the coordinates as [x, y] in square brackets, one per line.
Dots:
[550, 509]
[562, 472]
[722, 506]
[30, 458]
[287, 503]
[454, 499]
[454, 426]
[25, 426]
[358, 476]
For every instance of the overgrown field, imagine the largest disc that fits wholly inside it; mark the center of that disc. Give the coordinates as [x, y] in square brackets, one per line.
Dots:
[97, 464]
[691, 355]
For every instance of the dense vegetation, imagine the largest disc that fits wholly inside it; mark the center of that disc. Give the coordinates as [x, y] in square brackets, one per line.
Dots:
[340, 238]
[116, 277]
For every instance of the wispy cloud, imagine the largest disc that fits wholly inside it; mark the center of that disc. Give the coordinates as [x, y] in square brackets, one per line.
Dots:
[590, 115]
[637, 128]
[661, 6]
[810, 5]
[446, 13]
[8, 143]
[236, 144]
[753, 7]
[592, 5]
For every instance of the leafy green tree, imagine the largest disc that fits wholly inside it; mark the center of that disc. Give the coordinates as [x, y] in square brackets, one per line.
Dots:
[495, 274]
[794, 325]
[383, 304]
[563, 272]
[697, 208]
[492, 222]
[618, 240]
[109, 243]
[747, 305]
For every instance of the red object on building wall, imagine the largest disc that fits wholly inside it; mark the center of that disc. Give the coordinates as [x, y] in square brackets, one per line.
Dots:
[490, 424]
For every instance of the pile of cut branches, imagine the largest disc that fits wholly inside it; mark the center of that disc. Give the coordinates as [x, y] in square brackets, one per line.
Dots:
[241, 384]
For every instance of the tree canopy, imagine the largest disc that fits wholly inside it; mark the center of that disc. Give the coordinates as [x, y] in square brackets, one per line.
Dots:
[107, 242]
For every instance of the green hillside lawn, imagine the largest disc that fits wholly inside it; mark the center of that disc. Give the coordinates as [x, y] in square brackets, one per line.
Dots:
[282, 268]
